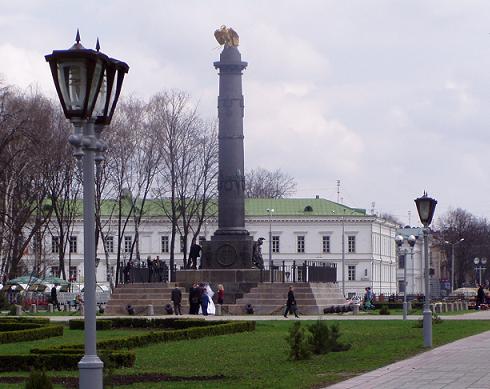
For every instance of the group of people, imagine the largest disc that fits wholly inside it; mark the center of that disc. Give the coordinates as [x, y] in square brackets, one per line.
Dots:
[156, 269]
[200, 299]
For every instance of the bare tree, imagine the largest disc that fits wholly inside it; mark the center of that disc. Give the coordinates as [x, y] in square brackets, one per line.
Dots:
[263, 183]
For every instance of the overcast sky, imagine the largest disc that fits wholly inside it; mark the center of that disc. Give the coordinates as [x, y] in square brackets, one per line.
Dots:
[390, 97]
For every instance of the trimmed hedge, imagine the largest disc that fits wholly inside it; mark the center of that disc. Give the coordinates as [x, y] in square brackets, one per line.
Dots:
[11, 319]
[61, 361]
[25, 335]
[14, 326]
[164, 336]
[100, 325]
[170, 323]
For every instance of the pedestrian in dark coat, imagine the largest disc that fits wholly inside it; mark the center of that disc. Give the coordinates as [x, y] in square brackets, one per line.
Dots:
[54, 297]
[480, 296]
[291, 304]
[177, 299]
[204, 301]
[194, 253]
[194, 299]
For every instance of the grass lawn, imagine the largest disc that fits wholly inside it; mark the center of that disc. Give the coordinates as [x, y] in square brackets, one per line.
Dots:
[259, 359]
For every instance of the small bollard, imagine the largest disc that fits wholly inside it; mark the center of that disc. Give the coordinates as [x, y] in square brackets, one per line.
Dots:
[82, 310]
[50, 308]
[150, 311]
[450, 307]
[438, 308]
[465, 305]
[18, 310]
[355, 309]
[444, 307]
[218, 310]
[33, 308]
[409, 306]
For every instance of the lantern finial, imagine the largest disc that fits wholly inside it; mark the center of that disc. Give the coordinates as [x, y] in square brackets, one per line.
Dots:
[97, 45]
[78, 36]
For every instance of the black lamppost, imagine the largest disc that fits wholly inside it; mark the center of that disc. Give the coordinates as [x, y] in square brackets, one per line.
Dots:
[426, 207]
[88, 83]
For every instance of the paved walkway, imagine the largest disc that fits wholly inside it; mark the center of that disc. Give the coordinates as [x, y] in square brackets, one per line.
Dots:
[464, 364]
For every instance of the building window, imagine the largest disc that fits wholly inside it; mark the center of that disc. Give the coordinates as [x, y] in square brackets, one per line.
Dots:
[401, 286]
[275, 244]
[351, 272]
[128, 243]
[365, 272]
[54, 271]
[351, 244]
[73, 273]
[55, 244]
[165, 244]
[326, 244]
[109, 244]
[73, 244]
[182, 244]
[401, 261]
[300, 244]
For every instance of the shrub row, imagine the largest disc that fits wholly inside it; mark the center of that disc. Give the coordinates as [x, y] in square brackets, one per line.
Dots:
[43, 332]
[170, 323]
[79, 324]
[61, 361]
[13, 326]
[165, 336]
[11, 319]
[415, 305]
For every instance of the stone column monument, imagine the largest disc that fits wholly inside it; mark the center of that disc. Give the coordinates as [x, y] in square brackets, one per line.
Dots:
[231, 246]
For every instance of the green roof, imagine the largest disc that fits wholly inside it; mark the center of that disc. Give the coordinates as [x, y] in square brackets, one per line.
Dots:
[299, 207]
[254, 207]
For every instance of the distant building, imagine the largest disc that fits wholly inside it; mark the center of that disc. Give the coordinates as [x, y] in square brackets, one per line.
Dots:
[302, 230]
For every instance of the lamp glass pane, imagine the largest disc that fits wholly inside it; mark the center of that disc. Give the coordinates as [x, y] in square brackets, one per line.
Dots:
[73, 84]
[95, 82]
[101, 98]
[424, 209]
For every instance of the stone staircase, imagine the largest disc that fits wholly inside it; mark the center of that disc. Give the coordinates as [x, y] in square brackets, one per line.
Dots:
[139, 296]
[270, 299]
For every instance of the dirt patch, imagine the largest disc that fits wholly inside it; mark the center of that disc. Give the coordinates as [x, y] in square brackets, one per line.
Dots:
[72, 382]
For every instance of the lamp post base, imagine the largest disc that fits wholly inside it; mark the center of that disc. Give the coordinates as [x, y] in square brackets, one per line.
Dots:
[427, 327]
[405, 310]
[91, 372]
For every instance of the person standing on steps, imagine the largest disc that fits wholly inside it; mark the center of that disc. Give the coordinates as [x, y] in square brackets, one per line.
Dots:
[177, 299]
[291, 303]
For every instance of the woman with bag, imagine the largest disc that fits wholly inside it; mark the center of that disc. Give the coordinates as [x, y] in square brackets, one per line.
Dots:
[291, 303]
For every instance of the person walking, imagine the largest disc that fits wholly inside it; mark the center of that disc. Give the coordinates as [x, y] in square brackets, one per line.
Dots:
[54, 297]
[480, 296]
[291, 303]
[177, 299]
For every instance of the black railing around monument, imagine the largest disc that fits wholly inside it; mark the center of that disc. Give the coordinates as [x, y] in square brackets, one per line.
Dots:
[141, 273]
[306, 271]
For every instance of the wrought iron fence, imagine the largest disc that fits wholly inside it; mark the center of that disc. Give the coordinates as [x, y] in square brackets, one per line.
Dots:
[306, 271]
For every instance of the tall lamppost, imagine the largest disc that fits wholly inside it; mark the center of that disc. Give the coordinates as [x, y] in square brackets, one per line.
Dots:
[270, 211]
[411, 241]
[480, 266]
[88, 84]
[399, 242]
[426, 207]
[452, 260]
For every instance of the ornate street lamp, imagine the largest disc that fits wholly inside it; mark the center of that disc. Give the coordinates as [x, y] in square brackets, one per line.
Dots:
[88, 84]
[426, 207]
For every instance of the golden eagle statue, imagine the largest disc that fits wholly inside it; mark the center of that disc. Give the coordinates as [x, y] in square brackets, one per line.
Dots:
[227, 36]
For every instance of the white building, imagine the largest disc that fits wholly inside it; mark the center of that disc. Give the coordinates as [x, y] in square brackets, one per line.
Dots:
[302, 230]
